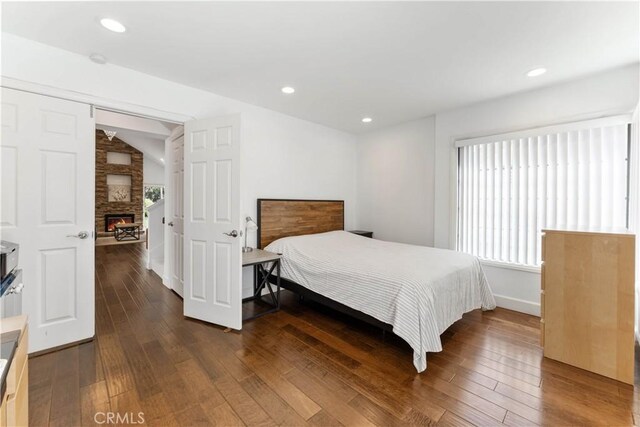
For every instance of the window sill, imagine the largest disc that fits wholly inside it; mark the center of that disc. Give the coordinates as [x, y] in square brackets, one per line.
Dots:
[510, 265]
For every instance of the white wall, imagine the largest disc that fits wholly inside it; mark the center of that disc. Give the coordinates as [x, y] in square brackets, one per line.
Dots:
[395, 182]
[153, 173]
[611, 92]
[155, 257]
[405, 170]
[287, 157]
[281, 156]
[284, 157]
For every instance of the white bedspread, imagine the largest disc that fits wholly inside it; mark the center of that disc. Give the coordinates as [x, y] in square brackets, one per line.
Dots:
[419, 290]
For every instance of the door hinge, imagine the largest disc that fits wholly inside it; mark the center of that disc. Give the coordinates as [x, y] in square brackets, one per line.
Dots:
[91, 111]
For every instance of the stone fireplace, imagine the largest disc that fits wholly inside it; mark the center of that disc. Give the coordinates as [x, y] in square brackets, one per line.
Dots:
[111, 220]
[119, 188]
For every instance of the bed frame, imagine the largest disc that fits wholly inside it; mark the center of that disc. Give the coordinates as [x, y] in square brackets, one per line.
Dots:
[278, 218]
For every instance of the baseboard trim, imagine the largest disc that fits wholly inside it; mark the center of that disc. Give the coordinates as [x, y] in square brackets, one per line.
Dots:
[516, 304]
[157, 267]
[166, 281]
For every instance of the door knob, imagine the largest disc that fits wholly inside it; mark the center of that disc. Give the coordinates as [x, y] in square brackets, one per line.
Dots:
[170, 224]
[80, 235]
[233, 233]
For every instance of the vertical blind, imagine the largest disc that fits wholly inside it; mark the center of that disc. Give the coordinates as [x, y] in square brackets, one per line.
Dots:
[513, 185]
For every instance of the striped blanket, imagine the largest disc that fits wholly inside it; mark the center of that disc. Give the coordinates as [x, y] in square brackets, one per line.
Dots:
[419, 290]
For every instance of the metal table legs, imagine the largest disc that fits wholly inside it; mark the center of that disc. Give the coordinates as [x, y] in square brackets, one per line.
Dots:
[261, 282]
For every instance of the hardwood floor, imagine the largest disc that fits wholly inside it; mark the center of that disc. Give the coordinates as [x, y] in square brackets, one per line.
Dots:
[303, 366]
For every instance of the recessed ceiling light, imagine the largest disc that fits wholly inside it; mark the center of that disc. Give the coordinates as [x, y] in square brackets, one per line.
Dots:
[97, 58]
[113, 25]
[288, 90]
[367, 120]
[536, 72]
[161, 159]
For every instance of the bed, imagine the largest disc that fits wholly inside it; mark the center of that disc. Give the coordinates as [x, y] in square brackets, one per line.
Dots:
[415, 291]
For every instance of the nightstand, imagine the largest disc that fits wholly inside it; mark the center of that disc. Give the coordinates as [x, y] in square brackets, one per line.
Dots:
[362, 233]
[264, 264]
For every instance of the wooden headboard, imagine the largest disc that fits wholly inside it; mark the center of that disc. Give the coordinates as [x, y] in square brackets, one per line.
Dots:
[279, 218]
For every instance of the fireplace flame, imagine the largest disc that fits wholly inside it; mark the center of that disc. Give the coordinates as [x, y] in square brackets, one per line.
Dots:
[112, 222]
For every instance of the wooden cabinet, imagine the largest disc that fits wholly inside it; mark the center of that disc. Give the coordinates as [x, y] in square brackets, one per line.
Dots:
[18, 402]
[3, 412]
[587, 301]
[14, 409]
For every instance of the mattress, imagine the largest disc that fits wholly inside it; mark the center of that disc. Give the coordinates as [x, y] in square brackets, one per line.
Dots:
[418, 290]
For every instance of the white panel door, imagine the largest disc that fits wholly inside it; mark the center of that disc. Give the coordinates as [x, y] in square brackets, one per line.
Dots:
[48, 176]
[212, 237]
[176, 222]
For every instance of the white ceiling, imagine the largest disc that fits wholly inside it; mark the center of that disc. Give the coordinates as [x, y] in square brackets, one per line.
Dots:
[145, 135]
[152, 148]
[391, 61]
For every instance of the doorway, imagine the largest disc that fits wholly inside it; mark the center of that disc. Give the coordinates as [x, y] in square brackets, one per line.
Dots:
[136, 194]
[48, 187]
[201, 213]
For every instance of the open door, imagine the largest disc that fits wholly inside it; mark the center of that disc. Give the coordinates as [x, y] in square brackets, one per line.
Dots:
[212, 236]
[48, 187]
[175, 219]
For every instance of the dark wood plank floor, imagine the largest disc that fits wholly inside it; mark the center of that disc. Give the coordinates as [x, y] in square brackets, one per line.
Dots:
[303, 366]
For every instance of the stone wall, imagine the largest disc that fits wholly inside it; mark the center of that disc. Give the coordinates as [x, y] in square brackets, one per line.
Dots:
[135, 170]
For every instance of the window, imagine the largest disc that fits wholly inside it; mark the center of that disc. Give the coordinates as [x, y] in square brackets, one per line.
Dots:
[513, 185]
[152, 193]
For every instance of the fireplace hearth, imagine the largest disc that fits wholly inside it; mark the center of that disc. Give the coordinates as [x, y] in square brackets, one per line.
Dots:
[110, 220]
